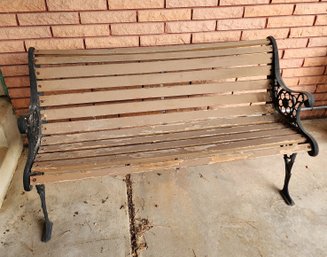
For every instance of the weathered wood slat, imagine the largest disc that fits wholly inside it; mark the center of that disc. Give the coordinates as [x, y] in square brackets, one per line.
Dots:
[225, 125]
[160, 137]
[148, 79]
[191, 141]
[152, 119]
[151, 106]
[155, 49]
[153, 92]
[84, 173]
[164, 154]
[151, 67]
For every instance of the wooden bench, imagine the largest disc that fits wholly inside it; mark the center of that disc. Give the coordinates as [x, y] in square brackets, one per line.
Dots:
[120, 111]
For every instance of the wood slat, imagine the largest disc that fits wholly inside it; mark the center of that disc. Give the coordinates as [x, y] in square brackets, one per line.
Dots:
[149, 57]
[224, 125]
[191, 141]
[165, 154]
[153, 119]
[148, 79]
[160, 137]
[235, 87]
[151, 67]
[155, 49]
[84, 173]
[151, 106]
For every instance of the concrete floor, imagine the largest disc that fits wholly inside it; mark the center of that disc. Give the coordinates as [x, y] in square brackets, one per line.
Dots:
[230, 209]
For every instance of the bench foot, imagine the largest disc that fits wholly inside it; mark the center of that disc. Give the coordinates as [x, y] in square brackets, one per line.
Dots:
[47, 226]
[289, 161]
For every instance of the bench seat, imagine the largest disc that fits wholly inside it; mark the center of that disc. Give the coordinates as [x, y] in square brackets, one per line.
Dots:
[150, 152]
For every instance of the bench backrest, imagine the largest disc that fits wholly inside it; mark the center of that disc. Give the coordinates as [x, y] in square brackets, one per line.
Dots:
[131, 91]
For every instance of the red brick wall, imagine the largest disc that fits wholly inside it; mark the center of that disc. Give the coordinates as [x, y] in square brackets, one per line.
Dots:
[300, 27]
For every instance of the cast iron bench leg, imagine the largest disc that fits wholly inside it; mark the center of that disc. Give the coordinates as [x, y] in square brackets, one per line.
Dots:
[47, 227]
[289, 161]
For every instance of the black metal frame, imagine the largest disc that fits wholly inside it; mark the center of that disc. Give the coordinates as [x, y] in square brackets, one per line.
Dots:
[288, 104]
[31, 125]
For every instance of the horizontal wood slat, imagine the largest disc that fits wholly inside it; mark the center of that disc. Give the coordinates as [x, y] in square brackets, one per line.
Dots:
[225, 125]
[167, 164]
[160, 137]
[152, 119]
[148, 79]
[151, 106]
[155, 49]
[209, 140]
[153, 92]
[189, 151]
[152, 67]
[64, 60]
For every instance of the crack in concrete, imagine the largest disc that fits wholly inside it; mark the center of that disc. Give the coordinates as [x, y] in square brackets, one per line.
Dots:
[131, 214]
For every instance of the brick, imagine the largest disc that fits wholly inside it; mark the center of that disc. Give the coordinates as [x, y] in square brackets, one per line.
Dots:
[14, 70]
[190, 26]
[263, 33]
[24, 32]
[216, 36]
[135, 4]
[300, 72]
[321, 20]
[107, 42]
[22, 81]
[217, 13]
[318, 41]
[291, 81]
[290, 21]
[322, 88]
[320, 97]
[315, 61]
[292, 43]
[309, 31]
[290, 63]
[63, 5]
[20, 102]
[137, 28]
[7, 20]
[190, 3]
[309, 80]
[165, 39]
[164, 15]
[312, 8]
[53, 43]
[13, 58]
[19, 92]
[268, 10]
[252, 23]
[11, 46]
[22, 5]
[292, 1]
[48, 18]
[305, 52]
[80, 30]
[108, 16]
[242, 2]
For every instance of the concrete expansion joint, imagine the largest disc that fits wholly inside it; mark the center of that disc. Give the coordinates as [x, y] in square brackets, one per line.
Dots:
[137, 226]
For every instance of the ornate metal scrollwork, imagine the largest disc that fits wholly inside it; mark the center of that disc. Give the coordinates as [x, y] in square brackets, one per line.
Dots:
[288, 102]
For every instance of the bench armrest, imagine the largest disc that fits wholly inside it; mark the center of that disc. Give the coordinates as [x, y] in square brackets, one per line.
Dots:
[288, 102]
[31, 124]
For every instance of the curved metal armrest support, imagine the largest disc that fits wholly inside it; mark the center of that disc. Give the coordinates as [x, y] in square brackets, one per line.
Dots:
[31, 124]
[289, 102]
